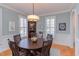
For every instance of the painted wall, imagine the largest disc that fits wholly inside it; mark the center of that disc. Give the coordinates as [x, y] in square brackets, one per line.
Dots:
[61, 37]
[0, 21]
[7, 15]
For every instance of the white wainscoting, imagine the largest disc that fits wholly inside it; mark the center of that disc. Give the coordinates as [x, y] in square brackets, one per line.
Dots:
[4, 42]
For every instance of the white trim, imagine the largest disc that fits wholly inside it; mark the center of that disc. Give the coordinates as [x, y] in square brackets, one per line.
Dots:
[4, 50]
[71, 27]
[5, 6]
[53, 13]
[0, 21]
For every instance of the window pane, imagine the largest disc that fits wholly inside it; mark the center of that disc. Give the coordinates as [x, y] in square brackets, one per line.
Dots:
[52, 30]
[23, 26]
[51, 22]
[50, 25]
[21, 22]
[47, 21]
[52, 19]
[47, 29]
[48, 32]
[52, 33]
[25, 31]
[25, 23]
[22, 31]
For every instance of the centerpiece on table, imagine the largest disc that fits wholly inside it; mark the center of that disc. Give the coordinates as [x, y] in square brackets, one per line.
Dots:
[34, 39]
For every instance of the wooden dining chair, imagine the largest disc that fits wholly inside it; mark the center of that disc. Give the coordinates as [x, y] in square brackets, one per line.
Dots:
[40, 35]
[16, 51]
[46, 48]
[17, 38]
[49, 46]
[49, 40]
[45, 51]
[49, 37]
[23, 52]
[13, 48]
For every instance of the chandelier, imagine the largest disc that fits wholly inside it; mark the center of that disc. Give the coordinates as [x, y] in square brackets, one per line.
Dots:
[33, 17]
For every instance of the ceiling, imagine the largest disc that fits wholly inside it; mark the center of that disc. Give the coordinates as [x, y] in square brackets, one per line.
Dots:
[40, 8]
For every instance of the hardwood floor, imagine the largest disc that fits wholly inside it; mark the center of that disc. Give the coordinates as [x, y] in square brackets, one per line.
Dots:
[64, 50]
[6, 53]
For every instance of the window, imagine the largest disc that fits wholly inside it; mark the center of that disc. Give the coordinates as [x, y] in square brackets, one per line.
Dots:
[50, 25]
[23, 27]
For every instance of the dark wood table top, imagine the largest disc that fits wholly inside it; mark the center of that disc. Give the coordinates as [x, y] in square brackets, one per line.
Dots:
[28, 44]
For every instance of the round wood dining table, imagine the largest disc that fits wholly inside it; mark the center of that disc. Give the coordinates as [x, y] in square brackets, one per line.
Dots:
[28, 44]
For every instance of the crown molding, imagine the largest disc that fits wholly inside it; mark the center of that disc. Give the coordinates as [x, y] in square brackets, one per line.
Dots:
[17, 11]
[22, 13]
[59, 12]
[63, 11]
